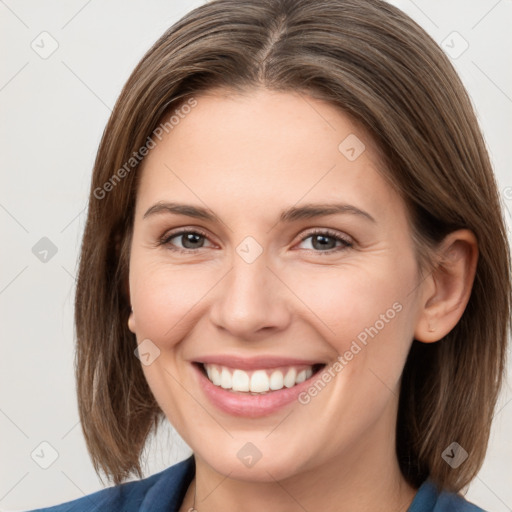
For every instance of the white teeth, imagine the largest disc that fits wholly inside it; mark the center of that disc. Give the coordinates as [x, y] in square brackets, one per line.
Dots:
[225, 379]
[215, 376]
[258, 381]
[276, 380]
[240, 381]
[301, 377]
[289, 379]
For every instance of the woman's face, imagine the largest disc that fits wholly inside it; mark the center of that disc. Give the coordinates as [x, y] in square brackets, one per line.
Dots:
[266, 292]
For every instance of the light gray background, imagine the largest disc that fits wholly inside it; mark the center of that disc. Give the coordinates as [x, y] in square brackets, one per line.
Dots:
[53, 113]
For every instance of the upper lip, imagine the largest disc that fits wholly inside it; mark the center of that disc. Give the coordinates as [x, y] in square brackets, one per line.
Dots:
[254, 363]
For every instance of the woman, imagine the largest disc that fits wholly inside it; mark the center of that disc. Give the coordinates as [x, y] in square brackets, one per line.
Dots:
[294, 253]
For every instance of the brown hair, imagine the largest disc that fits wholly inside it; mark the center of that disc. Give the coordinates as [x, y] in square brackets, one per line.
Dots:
[369, 59]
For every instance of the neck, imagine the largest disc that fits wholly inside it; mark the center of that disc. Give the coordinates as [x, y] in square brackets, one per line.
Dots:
[364, 478]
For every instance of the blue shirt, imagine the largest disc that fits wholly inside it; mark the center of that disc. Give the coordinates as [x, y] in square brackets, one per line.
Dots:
[164, 492]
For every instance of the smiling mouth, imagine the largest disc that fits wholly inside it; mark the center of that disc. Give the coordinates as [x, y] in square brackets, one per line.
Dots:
[260, 381]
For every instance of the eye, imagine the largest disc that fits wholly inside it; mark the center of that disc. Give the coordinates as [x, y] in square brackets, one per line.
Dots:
[191, 240]
[323, 240]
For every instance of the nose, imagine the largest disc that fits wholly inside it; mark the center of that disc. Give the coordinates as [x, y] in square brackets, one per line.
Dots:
[251, 300]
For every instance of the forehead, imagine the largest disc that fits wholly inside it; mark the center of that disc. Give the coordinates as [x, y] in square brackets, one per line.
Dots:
[262, 148]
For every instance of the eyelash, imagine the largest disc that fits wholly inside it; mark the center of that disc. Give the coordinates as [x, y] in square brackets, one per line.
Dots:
[165, 240]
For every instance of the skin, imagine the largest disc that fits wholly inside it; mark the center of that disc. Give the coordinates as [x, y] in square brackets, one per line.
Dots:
[246, 158]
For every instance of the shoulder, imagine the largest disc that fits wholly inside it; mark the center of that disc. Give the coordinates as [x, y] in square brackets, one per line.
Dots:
[158, 492]
[448, 501]
[430, 499]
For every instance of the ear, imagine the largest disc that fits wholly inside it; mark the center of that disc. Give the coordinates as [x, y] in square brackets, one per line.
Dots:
[131, 322]
[131, 318]
[125, 287]
[447, 289]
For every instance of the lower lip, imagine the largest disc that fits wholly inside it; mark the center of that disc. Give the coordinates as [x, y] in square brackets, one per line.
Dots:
[247, 405]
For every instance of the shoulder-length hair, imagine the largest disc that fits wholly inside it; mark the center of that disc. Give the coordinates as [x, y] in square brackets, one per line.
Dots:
[378, 66]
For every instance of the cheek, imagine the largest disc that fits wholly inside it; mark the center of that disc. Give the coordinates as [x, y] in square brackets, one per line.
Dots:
[165, 299]
[355, 302]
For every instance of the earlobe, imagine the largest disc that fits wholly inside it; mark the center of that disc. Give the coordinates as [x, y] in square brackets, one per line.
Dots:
[450, 287]
[131, 321]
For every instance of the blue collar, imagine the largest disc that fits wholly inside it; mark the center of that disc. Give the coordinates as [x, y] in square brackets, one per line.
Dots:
[425, 499]
[170, 486]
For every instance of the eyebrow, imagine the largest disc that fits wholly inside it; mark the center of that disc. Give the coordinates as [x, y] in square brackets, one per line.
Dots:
[292, 214]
